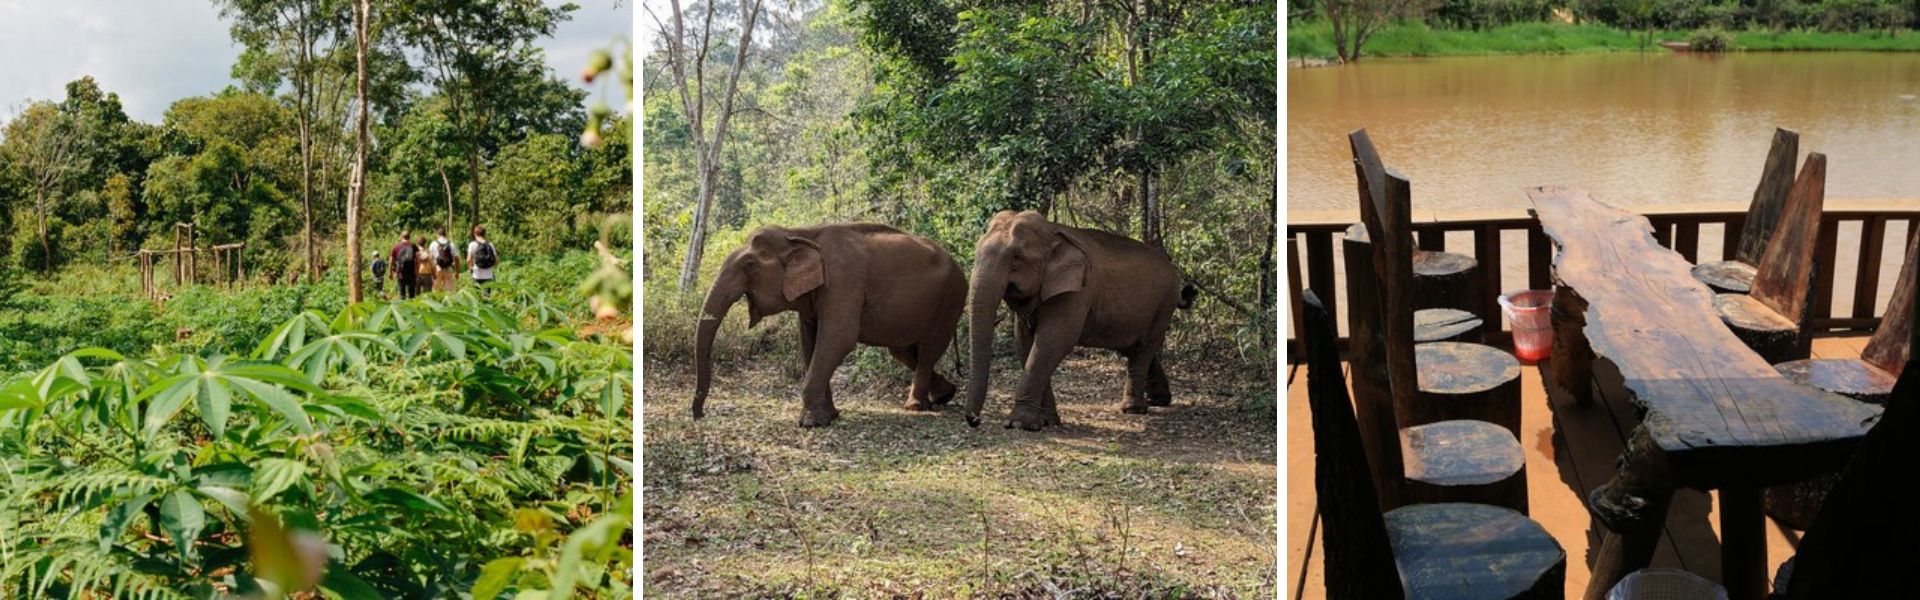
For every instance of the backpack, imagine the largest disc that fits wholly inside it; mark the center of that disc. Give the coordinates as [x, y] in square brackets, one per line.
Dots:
[405, 261]
[443, 255]
[379, 267]
[484, 256]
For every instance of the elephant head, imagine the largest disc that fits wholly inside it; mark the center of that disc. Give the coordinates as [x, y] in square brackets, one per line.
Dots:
[1024, 259]
[772, 271]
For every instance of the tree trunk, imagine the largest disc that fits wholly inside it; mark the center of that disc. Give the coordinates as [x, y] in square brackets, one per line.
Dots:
[446, 187]
[357, 189]
[697, 243]
[46, 249]
[473, 174]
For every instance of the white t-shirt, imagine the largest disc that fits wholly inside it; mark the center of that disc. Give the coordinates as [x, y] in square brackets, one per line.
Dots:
[479, 274]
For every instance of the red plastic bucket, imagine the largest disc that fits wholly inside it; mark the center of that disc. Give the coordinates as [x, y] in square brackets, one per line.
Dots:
[1528, 311]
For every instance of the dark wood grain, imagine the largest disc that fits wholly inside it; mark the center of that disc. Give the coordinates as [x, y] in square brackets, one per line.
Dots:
[1486, 250]
[1445, 280]
[1783, 277]
[1367, 353]
[1720, 414]
[1776, 179]
[1386, 205]
[1888, 347]
[1462, 551]
[1320, 272]
[1467, 381]
[1358, 554]
[1866, 279]
[1464, 461]
[1862, 544]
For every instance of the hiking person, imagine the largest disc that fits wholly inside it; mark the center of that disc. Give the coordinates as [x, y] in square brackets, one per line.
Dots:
[445, 260]
[404, 258]
[379, 268]
[481, 257]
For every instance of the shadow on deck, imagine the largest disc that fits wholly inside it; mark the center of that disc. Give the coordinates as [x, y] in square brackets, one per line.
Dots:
[1570, 451]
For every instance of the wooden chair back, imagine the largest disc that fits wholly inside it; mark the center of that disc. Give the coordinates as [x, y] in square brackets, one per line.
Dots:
[1386, 208]
[1763, 214]
[1888, 348]
[1358, 553]
[1783, 280]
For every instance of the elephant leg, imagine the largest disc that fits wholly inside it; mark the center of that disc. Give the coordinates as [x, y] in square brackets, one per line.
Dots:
[922, 382]
[1023, 343]
[808, 330]
[1159, 390]
[1053, 339]
[830, 348]
[1139, 362]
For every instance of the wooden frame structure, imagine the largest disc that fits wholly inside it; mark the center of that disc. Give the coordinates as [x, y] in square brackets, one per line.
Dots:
[229, 262]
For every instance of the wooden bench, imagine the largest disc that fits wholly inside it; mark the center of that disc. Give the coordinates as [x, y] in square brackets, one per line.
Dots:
[1716, 415]
[1438, 323]
[1772, 317]
[1763, 214]
[1449, 550]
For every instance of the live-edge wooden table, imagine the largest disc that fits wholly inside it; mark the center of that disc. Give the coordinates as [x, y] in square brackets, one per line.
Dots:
[1714, 415]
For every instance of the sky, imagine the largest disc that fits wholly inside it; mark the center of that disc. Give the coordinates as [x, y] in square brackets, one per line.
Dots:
[153, 52]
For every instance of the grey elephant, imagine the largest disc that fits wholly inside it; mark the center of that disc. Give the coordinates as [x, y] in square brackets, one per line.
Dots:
[857, 283]
[1068, 287]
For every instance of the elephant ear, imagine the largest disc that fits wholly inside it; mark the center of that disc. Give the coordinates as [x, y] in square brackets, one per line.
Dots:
[805, 270]
[1066, 268]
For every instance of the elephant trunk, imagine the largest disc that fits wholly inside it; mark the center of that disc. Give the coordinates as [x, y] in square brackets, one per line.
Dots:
[989, 284]
[720, 298]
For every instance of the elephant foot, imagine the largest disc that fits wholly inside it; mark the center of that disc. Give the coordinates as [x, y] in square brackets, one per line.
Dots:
[1032, 419]
[1134, 409]
[819, 418]
[1166, 400]
[919, 405]
[941, 399]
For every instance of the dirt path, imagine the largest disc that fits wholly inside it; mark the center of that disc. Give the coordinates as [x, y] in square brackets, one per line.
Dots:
[892, 503]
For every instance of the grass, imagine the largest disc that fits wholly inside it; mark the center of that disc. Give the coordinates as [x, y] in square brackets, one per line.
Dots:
[891, 503]
[1314, 39]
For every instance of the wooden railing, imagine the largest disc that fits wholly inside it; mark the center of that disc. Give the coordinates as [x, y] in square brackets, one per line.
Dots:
[1312, 252]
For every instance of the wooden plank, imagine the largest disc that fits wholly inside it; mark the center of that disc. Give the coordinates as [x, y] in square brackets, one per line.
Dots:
[1824, 251]
[1866, 280]
[1776, 180]
[1298, 312]
[1720, 414]
[1782, 277]
[1433, 240]
[1539, 259]
[1663, 234]
[1360, 559]
[1730, 238]
[1686, 240]
[1320, 267]
[1889, 345]
[1486, 250]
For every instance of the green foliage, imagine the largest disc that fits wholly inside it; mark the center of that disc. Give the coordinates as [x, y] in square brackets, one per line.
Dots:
[411, 448]
[1710, 40]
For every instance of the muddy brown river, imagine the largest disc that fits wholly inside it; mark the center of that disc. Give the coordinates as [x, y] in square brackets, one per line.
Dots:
[1637, 129]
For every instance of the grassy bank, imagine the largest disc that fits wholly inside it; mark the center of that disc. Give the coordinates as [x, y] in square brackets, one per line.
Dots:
[1413, 38]
[891, 503]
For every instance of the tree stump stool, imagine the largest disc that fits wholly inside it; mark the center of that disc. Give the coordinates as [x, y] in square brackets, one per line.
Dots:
[1464, 461]
[1466, 381]
[1726, 277]
[1762, 329]
[1450, 550]
[1443, 280]
[1665, 584]
[1440, 279]
[1445, 325]
[1854, 379]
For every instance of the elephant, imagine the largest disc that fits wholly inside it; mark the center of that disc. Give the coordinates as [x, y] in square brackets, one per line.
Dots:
[1068, 287]
[850, 283]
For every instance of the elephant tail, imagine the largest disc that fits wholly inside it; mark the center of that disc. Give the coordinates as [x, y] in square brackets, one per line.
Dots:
[1187, 294]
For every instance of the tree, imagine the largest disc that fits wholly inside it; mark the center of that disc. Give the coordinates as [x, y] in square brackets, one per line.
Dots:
[42, 150]
[357, 188]
[1354, 20]
[482, 58]
[709, 136]
[287, 36]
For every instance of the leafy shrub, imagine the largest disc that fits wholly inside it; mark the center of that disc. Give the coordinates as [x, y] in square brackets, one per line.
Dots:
[1709, 40]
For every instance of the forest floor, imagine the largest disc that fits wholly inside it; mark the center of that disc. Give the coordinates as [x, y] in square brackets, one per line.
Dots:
[893, 503]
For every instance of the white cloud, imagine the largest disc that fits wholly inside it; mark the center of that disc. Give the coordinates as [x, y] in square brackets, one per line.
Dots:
[153, 52]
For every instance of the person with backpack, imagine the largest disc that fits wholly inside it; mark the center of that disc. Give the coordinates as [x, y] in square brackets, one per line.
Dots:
[379, 267]
[445, 260]
[404, 259]
[481, 257]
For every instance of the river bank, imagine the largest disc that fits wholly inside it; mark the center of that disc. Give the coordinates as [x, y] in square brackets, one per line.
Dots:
[1314, 39]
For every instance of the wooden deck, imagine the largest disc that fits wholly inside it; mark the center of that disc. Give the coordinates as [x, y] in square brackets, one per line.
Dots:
[1570, 451]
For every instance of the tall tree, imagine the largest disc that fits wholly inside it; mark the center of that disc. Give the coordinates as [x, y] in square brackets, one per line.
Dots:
[288, 35]
[1354, 20]
[709, 136]
[357, 188]
[480, 56]
[41, 148]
